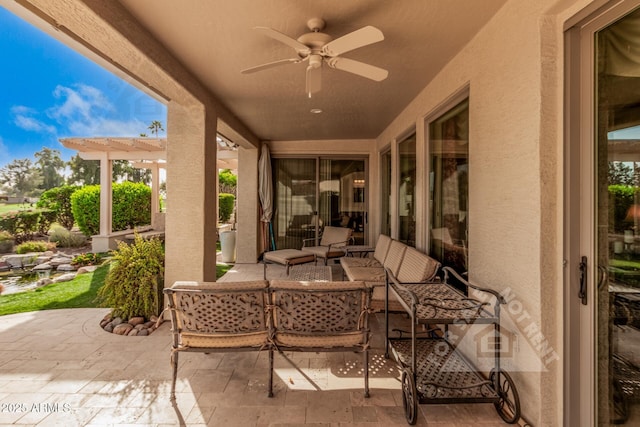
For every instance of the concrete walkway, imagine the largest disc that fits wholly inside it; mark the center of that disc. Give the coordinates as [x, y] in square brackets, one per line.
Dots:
[58, 367]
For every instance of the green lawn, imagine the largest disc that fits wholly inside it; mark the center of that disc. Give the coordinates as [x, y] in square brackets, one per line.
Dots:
[78, 293]
[4, 207]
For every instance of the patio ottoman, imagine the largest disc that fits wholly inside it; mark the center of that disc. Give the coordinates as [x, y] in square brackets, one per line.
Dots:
[286, 257]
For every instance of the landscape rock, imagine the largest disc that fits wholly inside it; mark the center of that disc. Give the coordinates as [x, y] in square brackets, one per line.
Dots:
[14, 261]
[44, 282]
[136, 321]
[42, 267]
[122, 329]
[87, 269]
[136, 326]
[66, 267]
[64, 278]
[59, 260]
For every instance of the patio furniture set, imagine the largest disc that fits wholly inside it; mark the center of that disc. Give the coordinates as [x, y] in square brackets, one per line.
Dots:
[312, 312]
[273, 316]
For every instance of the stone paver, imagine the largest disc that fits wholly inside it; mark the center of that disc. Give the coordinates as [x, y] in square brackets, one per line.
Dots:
[58, 367]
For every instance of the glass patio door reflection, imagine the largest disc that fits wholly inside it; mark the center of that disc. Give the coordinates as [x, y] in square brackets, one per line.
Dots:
[311, 193]
[617, 216]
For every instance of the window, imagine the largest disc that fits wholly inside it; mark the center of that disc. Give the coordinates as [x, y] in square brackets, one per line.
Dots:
[406, 191]
[385, 193]
[448, 187]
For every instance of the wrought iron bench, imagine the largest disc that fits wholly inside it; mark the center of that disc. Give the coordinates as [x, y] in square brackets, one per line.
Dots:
[283, 316]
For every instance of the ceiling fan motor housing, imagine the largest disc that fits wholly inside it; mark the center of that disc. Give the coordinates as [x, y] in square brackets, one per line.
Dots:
[315, 40]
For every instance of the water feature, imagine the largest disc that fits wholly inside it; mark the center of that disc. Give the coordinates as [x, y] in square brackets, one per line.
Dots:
[19, 281]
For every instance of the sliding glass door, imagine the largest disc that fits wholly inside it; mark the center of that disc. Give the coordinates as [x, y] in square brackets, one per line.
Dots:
[311, 193]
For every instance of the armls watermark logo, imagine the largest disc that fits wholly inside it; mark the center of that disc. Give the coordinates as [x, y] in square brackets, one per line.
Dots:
[517, 342]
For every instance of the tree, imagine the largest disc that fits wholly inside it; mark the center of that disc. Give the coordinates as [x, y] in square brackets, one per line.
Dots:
[620, 173]
[155, 127]
[123, 170]
[20, 177]
[84, 172]
[227, 182]
[51, 168]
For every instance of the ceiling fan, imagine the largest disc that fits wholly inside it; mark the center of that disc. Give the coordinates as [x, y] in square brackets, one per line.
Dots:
[317, 47]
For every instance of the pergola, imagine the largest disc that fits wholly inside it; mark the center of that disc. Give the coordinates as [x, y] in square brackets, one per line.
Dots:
[143, 153]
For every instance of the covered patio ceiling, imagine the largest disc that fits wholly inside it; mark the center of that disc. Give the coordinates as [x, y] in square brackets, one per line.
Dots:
[215, 40]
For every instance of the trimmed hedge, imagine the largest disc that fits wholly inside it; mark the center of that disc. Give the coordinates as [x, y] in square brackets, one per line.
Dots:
[225, 206]
[621, 198]
[58, 199]
[131, 204]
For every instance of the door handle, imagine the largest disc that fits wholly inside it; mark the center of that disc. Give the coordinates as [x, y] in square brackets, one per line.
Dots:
[604, 276]
[582, 292]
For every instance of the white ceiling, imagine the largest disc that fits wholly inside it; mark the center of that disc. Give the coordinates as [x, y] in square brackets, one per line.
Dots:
[215, 40]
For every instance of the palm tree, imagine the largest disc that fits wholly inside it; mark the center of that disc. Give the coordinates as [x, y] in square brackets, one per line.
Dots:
[155, 127]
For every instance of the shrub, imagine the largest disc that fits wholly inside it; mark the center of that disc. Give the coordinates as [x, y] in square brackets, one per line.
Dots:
[58, 199]
[621, 198]
[34, 246]
[131, 204]
[23, 225]
[225, 206]
[46, 218]
[6, 242]
[64, 238]
[133, 286]
[85, 205]
[88, 258]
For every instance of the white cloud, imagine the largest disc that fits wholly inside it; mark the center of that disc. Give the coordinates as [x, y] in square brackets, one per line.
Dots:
[101, 126]
[79, 103]
[24, 119]
[85, 111]
[31, 124]
[79, 110]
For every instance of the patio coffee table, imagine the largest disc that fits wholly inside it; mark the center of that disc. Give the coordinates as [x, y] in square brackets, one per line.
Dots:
[311, 273]
[286, 257]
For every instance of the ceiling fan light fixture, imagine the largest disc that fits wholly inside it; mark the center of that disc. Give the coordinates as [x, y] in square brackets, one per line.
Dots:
[316, 110]
[317, 47]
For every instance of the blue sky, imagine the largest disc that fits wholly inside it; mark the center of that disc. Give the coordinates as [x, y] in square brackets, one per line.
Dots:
[48, 91]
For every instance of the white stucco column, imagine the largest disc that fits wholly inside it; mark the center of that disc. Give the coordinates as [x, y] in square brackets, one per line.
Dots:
[192, 214]
[106, 181]
[100, 243]
[247, 219]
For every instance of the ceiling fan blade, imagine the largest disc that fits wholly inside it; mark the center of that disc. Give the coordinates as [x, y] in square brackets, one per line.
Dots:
[314, 79]
[269, 65]
[360, 68]
[283, 38]
[362, 37]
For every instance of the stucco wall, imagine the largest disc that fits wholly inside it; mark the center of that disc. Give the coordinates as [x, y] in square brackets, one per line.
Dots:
[513, 69]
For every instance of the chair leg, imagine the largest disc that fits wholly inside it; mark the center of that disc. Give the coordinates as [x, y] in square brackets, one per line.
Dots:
[366, 373]
[270, 372]
[174, 363]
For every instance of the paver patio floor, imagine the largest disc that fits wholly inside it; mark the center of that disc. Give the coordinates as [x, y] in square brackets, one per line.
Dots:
[58, 367]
